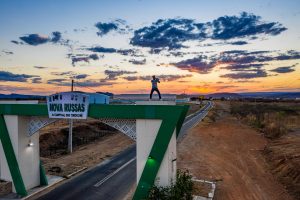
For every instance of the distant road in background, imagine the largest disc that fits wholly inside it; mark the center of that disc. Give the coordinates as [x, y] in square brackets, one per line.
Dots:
[114, 178]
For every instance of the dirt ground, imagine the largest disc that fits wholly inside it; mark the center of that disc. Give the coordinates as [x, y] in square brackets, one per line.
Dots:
[224, 150]
[88, 155]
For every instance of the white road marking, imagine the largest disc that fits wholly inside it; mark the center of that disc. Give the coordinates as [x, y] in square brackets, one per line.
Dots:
[205, 109]
[113, 173]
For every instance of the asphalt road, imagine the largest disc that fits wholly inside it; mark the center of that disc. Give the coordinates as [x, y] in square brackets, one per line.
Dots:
[112, 179]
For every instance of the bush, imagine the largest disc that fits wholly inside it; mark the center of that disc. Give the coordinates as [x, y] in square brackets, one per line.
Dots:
[181, 190]
[269, 119]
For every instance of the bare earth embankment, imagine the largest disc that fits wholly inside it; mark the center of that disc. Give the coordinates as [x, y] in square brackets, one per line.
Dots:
[224, 150]
[93, 142]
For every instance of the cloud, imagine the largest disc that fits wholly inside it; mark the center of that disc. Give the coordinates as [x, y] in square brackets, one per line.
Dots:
[243, 67]
[56, 37]
[67, 73]
[118, 25]
[13, 89]
[81, 76]
[246, 75]
[37, 39]
[8, 76]
[86, 83]
[16, 42]
[124, 52]
[95, 83]
[130, 52]
[198, 64]
[228, 27]
[36, 80]
[172, 33]
[113, 75]
[104, 28]
[83, 58]
[138, 62]
[7, 52]
[166, 78]
[239, 43]
[235, 60]
[100, 49]
[59, 81]
[286, 69]
[70, 74]
[40, 67]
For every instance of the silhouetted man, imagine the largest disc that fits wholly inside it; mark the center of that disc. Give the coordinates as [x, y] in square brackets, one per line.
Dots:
[154, 82]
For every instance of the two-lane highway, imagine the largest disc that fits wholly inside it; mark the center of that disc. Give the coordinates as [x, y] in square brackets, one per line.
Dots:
[112, 179]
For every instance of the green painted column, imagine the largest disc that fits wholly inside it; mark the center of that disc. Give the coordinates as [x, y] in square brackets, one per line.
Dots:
[11, 158]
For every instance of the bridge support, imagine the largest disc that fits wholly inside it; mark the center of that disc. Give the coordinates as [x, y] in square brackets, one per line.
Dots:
[22, 153]
[147, 131]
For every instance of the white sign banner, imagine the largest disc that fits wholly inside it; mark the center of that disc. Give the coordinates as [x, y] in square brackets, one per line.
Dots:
[68, 105]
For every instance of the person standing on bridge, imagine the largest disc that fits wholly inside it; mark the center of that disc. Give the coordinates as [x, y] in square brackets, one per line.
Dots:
[154, 82]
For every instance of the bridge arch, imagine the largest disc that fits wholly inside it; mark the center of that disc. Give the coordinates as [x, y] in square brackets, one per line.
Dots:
[169, 118]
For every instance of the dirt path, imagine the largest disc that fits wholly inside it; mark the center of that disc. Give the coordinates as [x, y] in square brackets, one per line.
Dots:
[229, 152]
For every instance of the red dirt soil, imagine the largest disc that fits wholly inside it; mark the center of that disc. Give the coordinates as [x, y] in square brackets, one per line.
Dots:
[223, 149]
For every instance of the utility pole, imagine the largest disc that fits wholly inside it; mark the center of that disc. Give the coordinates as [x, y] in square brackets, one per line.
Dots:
[70, 146]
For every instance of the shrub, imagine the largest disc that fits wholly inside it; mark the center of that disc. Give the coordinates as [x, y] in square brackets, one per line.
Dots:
[181, 190]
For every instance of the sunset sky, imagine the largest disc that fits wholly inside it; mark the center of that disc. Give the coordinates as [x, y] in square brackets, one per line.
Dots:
[116, 46]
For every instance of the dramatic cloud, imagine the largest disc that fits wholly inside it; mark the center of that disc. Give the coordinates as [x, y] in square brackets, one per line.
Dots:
[286, 69]
[171, 33]
[248, 64]
[246, 24]
[138, 62]
[118, 25]
[113, 75]
[166, 78]
[37, 39]
[8, 76]
[198, 64]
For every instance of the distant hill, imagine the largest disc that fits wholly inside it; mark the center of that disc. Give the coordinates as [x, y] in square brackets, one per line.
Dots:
[265, 95]
[285, 95]
[21, 96]
[225, 95]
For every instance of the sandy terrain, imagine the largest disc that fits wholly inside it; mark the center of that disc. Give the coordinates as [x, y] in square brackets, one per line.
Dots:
[229, 152]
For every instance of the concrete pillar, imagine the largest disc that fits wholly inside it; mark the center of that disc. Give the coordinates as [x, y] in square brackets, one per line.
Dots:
[28, 156]
[146, 131]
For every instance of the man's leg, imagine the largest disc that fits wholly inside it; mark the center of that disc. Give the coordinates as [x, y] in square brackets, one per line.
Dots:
[152, 90]
[158, 93]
